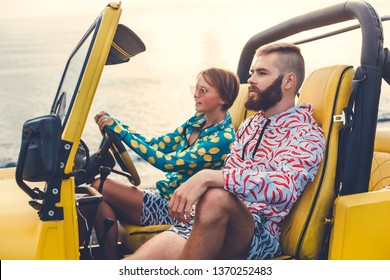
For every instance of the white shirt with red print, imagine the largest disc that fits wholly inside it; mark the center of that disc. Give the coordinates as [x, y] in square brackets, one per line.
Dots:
[272, 160]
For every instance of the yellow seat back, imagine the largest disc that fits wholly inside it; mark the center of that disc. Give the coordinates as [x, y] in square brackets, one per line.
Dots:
[380, 169]
[304, 230]
[238, 111]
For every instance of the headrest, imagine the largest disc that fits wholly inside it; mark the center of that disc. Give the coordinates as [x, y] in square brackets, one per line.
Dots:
[316, 91]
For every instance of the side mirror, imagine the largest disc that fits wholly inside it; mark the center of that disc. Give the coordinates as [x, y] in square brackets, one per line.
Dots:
[39, 151]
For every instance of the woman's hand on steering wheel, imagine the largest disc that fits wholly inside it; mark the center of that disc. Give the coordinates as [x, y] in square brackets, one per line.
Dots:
[103, 119]
[112, 141]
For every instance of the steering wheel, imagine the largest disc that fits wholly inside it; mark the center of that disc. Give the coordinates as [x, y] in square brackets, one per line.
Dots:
[112, 142]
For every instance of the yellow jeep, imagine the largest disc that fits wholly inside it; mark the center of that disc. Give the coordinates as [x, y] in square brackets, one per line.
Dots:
[343, 214]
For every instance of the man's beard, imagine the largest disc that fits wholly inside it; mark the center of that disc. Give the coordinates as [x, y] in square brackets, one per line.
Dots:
[267, 98]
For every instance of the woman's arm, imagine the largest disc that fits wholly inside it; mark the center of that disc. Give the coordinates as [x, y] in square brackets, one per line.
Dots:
[201, 154]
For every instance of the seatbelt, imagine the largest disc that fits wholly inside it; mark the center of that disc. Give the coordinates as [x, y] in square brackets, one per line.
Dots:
[345, 132]
[347, 119]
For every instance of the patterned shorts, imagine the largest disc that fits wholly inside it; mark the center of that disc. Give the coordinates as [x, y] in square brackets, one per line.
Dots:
[155, 211]
[264, 245]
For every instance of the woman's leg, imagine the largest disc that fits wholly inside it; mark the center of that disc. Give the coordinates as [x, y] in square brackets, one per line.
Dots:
[120, 202]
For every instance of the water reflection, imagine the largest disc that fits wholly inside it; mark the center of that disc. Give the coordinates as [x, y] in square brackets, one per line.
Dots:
[151, 92]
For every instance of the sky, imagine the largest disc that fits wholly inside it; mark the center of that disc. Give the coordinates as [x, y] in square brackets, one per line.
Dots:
[42, 8]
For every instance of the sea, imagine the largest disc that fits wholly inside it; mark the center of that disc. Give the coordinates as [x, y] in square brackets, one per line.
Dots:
[150, 93]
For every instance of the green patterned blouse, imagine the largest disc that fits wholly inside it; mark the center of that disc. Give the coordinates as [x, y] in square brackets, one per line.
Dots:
[172, 153]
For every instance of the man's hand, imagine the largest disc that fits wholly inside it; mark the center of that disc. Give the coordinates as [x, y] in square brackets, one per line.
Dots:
[189, 192]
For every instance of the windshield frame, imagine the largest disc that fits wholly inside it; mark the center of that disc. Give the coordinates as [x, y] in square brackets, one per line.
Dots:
[59, 98]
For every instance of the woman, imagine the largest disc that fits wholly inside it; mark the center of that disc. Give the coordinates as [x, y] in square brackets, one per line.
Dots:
[203, 141]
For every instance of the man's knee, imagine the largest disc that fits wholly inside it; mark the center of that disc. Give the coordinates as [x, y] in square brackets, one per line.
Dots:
[215, 203]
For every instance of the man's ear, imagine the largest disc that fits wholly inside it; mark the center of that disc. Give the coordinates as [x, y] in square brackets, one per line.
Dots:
[290, 81]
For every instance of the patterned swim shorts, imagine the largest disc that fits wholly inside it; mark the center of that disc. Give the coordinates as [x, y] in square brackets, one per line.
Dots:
[263, 246]
[155, 211]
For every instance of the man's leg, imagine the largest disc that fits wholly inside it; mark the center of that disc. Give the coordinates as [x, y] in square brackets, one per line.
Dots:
[165, 246]
[223, 228]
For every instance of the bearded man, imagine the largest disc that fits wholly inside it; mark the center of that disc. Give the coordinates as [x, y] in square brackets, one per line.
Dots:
[239, 209]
